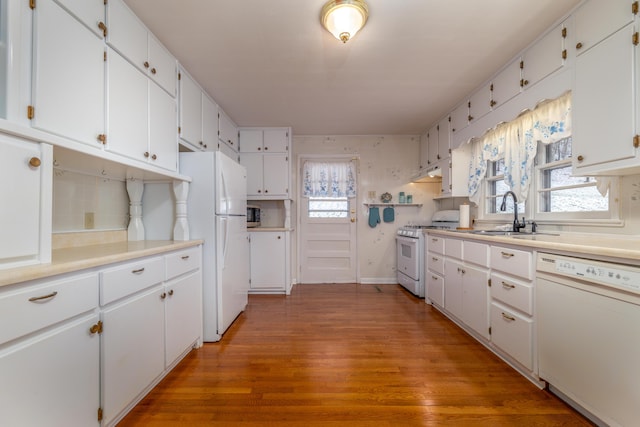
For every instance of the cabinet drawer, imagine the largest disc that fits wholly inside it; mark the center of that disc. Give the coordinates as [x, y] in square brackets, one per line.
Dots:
[435, 244]
[435, 263]
[512, 261]
[512, 333]
[512, 292]
[182, 262]
[476, 253]
[127, 279]
[435, 289]
[37, 306]
[454, 248]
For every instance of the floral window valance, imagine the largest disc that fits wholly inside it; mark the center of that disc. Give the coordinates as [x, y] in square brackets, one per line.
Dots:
[329, 179]
[516, 142]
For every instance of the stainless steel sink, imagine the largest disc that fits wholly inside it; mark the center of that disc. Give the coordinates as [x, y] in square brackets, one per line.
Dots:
[523, 234]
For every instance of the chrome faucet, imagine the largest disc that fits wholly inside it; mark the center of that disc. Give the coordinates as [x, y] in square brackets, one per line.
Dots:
[503, 207]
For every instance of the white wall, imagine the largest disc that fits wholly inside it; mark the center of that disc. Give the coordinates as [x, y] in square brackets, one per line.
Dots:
[386, 164]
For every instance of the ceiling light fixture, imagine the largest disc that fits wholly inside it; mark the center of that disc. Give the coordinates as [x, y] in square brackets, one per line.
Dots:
[344, 18]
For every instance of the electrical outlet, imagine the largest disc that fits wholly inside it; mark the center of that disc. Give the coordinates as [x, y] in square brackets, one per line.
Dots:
[372, 195]
[89, 220]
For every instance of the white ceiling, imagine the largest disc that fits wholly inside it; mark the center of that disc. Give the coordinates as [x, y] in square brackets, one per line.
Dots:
[271, 63]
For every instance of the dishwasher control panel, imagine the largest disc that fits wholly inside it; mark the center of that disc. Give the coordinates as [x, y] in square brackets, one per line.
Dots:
[619, 276]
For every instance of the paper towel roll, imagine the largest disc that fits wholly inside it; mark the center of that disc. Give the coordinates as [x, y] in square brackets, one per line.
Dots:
[464, 216]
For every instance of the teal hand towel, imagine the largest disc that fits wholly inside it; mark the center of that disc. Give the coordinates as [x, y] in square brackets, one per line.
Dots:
[388, 214]
[374, 216]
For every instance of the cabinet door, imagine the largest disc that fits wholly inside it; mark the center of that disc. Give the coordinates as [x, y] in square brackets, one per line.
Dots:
[253, 163]
[460, 117]
[446, 177]
[475, 300]
[127, 34]
[183, 315]
[162, 66]
[89, 12]
[595, 20]
[480, 103]
[276, 140]
[506, 84]
[251, 140]
[53, 379]
[268, 272]
[544, 57]
[453, 287]
[68, 82]
[190, 110]
[228, 130]
[276, 175]
[443, 139]
[435, 288]
[132, 350]
[19, 233]
[433, 145]
[513, 333]
[603, 102]
[209, 124]
[424, 151]
[163, 128]
[127, 108]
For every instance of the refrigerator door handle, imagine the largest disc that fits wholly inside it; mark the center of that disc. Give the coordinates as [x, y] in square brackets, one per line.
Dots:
[225, 240]
[225, 193]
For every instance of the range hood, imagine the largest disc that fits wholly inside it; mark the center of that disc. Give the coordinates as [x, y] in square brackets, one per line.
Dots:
[432, 174]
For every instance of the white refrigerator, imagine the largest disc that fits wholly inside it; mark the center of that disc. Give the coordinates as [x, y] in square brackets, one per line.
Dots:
[217, 209]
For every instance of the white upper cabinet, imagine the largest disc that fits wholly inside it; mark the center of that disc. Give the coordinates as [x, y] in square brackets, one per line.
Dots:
[604, 104]
[190, 110]
[209, 123]
[506, 84]
[89, 12]
[141, 116]
[227, 130]
[596, 20]
[480, 103]
[274, 140]
[546, 56]
[130, 37]
[68, 76]
[424, 150]
[433, 145]
[460, 117]
[444, 151]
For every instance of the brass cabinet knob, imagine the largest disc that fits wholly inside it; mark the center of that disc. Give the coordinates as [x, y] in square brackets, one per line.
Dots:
[580, 158]
[266, 148]
[279, 237]
[163, 295]
[171, 292]
[492, 103]
[469, 118]
[153, 71]
[35, 162]
[146, 154]
[579, 46]
[154, 157]
[146, 64]
[353, 220]
[102, 138]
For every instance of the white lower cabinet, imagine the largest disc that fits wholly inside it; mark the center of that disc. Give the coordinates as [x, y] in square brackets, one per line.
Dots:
[81, 349]
[513, 333]
[49, 356]
[132, 350]
[269, 262]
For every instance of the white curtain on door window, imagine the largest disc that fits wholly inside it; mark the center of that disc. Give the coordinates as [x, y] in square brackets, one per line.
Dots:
[517, 141]
[328, 179]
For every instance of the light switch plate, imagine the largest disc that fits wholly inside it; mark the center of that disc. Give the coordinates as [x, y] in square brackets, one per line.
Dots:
[89, 220]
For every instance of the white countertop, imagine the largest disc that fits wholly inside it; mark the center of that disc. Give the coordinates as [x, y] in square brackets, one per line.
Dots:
[601, 246]
[80, 257]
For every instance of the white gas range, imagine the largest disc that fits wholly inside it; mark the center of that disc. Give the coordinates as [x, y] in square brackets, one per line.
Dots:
[410, 250]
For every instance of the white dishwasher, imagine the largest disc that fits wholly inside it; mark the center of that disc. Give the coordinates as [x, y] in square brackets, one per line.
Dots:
[588, 315]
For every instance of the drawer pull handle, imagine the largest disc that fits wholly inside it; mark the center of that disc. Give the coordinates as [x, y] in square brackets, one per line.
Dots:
[138, 271]
[434, 277]
[434, 258]
[508, 285]
[434, 240]
[507, 317]
[185, 257]
[163, 295]
[171, 292]
[506, 254]
[40, 298]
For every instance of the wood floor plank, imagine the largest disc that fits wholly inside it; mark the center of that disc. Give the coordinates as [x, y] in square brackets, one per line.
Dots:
[346, 355]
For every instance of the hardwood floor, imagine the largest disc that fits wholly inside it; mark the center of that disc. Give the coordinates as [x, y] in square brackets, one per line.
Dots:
[346, 355]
